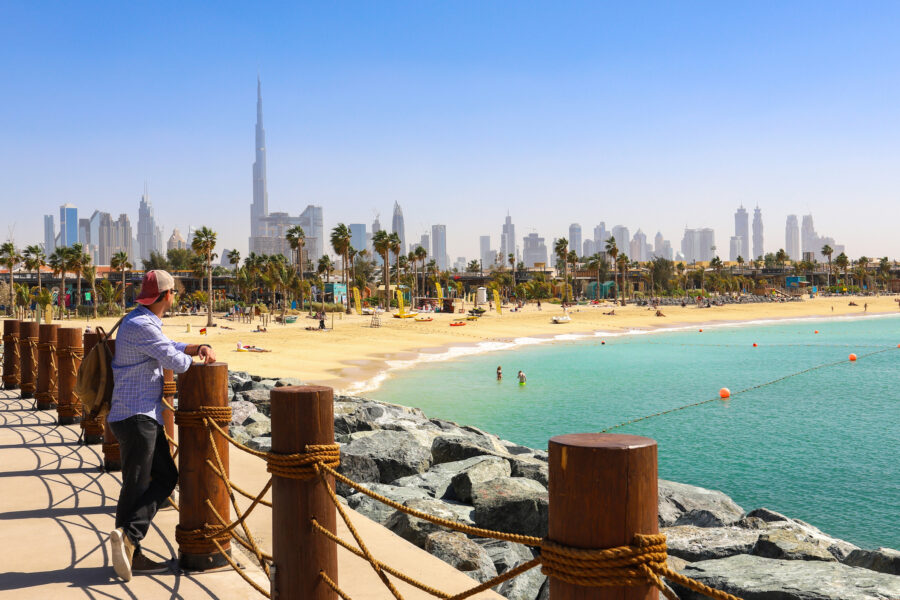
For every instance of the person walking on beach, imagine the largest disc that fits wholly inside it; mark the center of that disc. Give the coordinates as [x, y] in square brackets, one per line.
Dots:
[149, 474]
[499, 373]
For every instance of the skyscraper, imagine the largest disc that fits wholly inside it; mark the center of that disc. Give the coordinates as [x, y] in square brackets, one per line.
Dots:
[534, 250]
[148, 232]
[439, 245]
[260, 207]
[658, 245]
[623, 240]
[742, 230]
[486, 255]
[575, 238]
[508, 239]
[637, 250]
[312, 222]
[49, 235]
[376, 227]
[758, 249]
[397, 225]
[68, 225]
[600, 237]
[808, 235]
[735, 247]
[697, 244]
[792, 238]
[358, 236]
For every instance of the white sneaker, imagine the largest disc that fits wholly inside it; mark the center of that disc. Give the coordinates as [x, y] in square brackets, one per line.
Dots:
[122, 551]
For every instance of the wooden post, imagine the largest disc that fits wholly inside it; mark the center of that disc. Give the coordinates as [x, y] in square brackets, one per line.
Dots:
[28, 339]
[300, 416]
[69, 351]
[201, 386]
[11, 354]
[93, 428]
[45, 391]
[169, 397]
[603, 490]
[112, 459]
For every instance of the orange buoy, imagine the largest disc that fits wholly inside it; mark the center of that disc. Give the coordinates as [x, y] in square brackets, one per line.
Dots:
[754, 344]
[852, 358]
[603, 343]
[724, 393]
[898, 345]
[701, 331]
[816, 331]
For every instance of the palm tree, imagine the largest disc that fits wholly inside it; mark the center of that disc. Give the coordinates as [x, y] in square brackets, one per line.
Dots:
[622, 262]
[842, 263]
[381, 241]
[203, 244]
[90, 273]
[10, 257]
[396, 248]
[79, 259]
[781, 258]
[35, 259]
[561, 249]
[828, 251]
[59, 262]
[340, 241]
[297, 239]
[473, 267]
[613, 251]
[234, 259]
[421, 255]
[119, 262]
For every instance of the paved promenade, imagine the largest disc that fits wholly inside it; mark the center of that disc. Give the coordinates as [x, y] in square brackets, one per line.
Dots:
[57, 508]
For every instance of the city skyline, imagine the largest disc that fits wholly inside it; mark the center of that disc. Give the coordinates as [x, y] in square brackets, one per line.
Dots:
[354, 149]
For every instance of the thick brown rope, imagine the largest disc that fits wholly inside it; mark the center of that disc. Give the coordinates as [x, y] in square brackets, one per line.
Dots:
[302, 465]
[198, 540]
[11, 341]
[199, 418]
[169, 389]
[334, 586]
[29, 386]
[454, 525]
[50, 393]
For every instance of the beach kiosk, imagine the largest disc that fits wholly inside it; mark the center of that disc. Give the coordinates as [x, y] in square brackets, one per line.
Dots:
[481, 296]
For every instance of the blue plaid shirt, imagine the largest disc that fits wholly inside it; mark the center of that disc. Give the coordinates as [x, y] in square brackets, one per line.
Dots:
[142, 352]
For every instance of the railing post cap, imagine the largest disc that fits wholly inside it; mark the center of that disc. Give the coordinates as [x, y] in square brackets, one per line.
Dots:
[609, 441]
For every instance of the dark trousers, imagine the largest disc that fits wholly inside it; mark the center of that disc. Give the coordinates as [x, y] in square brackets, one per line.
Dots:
[149, 474]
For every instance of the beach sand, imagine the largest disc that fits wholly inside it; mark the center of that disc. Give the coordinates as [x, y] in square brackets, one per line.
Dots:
[353, 352]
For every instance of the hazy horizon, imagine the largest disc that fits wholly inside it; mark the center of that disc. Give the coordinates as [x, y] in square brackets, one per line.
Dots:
[657, 116]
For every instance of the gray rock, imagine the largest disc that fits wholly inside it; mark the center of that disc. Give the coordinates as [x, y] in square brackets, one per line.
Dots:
[790, 544]
[240, 410]
[256, 396]
[838, 548]
[505, 556]
[531, 469]
[682, 504]
[259, 427]
[263, 384]
[511, 504]
[693, 543]
[462, 553]
[396, 453]
[769, 516]
[491, 467]
[378, 511]
[240, 381]
[758, 578]
[457, 447]
[239, 434]
[288, 382]
[263, 444]
[434, 482]
[515, 449]
[883, 560]
[361, 469]
[416, 530]
[544, 594]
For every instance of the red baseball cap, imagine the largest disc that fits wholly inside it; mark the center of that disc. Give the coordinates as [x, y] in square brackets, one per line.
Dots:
[153, 284]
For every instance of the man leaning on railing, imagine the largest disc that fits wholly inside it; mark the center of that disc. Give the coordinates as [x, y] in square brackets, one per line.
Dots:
[149, 474]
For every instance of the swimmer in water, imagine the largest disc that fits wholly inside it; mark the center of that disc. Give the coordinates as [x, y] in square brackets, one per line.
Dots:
[521, 377]
[499, 373]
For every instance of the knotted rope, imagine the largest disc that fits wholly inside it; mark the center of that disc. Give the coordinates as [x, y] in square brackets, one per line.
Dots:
[47, 396]
[199, 418]
[197, 541]
[302, 465]
[11, 363]
[30, 344]
[169, 389]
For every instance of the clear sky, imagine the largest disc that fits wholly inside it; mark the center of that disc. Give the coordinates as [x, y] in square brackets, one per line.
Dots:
[651, 115]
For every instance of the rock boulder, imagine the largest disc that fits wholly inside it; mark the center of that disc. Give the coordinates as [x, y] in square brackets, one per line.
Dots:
[459, 551]
[682, 504]
[511, 504]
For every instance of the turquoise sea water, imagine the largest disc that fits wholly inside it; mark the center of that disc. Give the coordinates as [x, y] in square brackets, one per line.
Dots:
[822, 446]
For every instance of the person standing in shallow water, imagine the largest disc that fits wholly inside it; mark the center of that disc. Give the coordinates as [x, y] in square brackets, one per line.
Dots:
[521, 377]
[135, 417]
[499, 373]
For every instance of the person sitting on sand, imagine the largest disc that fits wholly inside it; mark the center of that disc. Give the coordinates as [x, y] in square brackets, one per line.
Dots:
[612, 312]
[521, 377]
[852, 303]
[499, 373]
[659, 313]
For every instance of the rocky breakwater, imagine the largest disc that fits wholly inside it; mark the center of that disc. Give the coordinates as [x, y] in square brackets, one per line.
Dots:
[473, 477]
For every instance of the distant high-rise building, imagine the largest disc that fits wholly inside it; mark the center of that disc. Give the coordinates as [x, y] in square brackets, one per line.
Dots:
[758, 248]
[177, 242]
[808, 237]
[49, 235]
[485, 254]
[121, 238]
[376, 227]
[397, 225]
[658, 243]
[742, 230]
[424, 242]
[460, 264]
[84, 233]
[735, 246]
[68, 225]
[259, 209]
[697, 244]
[600, 237]
[148, 232]
[792, 238]
[358, 236]
[575, 238]
[623, 240]
[533, 250]
[637, 246]
[508, 239]
[312, 221]
[587, 248]
[439, 245]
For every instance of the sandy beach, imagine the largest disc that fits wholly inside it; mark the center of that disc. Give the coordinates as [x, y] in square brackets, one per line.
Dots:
[349, 356]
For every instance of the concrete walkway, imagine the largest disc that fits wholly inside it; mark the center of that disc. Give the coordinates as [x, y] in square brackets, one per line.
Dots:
[57, 508]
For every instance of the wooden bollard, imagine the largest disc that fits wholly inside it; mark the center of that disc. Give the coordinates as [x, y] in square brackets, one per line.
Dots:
[169, 396]
[202, 386]
[302, 416]
[603, 490]
[69, 351]
[28, 341]
[45, 390]
[112, 458]
[11, 354]
[93, 428]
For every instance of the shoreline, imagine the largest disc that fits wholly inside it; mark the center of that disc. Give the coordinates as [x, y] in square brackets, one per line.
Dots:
[379, 370]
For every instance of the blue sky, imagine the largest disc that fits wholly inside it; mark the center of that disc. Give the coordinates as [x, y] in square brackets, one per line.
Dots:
[655, 116]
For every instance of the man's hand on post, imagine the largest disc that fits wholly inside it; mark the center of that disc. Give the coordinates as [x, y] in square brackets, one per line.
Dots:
[207, 354]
